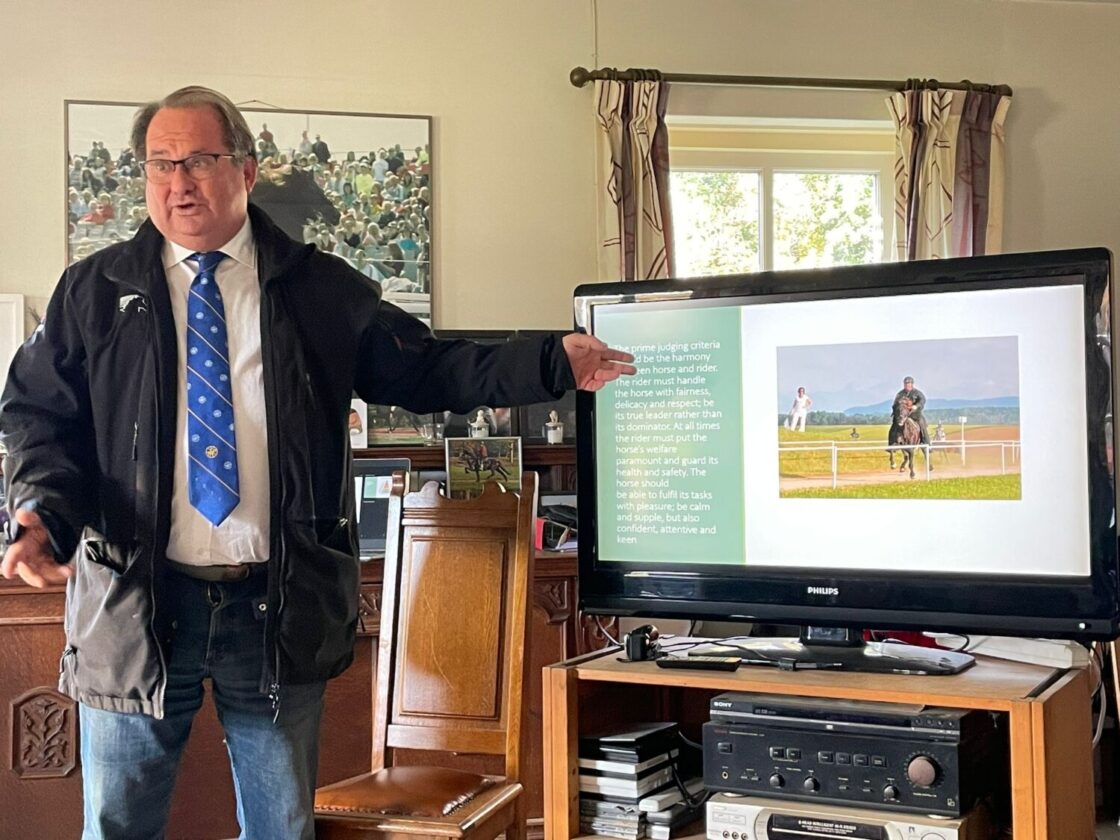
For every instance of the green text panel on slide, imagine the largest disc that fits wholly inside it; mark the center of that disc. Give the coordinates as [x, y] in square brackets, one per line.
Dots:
[676, 481]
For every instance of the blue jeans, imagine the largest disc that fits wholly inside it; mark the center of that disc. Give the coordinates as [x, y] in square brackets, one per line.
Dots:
[129, 761]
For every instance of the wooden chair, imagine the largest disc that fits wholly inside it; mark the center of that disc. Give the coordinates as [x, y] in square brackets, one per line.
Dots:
[450, 672]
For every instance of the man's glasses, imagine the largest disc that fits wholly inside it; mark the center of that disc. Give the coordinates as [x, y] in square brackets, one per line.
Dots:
[199, 167]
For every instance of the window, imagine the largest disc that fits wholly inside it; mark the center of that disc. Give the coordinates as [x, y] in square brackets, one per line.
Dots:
[753, 198]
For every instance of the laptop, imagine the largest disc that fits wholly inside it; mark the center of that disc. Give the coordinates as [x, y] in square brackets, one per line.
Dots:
[373, 481]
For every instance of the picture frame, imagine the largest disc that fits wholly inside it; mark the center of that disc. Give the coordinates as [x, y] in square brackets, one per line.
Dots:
[358, 424]
[471, 462]
[391, 425]
[304, 194]
[12, 327]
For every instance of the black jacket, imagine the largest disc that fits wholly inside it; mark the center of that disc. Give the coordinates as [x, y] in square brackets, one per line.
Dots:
[88, 418]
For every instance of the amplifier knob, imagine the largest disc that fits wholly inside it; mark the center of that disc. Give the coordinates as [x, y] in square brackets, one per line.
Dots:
[922, 771]
[890, 793]
[811, 784]
[776, 781]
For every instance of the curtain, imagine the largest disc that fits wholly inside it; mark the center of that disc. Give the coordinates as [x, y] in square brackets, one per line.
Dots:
[634, 194]
[948, 198]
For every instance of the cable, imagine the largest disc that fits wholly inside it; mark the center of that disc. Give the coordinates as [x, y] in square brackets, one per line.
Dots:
[606, 632]
[689, 741]
[961, 648]
[686, 797]
[676, 647]
[674, 763]
[1097, 663]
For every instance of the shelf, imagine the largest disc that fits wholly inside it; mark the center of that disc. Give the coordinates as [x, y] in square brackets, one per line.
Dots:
[995, 684]
[1050, 766]
[432, 457]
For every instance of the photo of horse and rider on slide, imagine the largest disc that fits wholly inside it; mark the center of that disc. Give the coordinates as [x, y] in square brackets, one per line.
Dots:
[923, 419]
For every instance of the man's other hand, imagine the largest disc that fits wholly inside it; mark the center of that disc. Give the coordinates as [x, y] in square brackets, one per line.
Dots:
[32, 557]
[594, 364]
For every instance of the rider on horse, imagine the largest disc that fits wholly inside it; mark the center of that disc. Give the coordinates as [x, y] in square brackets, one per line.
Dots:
[917, 403]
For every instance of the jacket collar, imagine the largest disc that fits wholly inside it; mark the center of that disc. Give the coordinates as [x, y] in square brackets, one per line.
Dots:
[138, 262]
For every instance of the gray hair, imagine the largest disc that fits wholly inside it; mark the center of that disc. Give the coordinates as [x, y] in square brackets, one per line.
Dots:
[235, 131]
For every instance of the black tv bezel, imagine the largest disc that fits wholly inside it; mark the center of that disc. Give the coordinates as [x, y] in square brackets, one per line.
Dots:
[1043, 606]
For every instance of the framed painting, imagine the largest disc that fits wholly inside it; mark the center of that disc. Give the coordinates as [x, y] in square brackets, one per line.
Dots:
[391, 425]
[12, 327]
[356, 185]
[357, 423]
[471, 462]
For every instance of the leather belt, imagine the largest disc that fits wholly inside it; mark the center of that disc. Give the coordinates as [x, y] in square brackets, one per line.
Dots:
[219, 574]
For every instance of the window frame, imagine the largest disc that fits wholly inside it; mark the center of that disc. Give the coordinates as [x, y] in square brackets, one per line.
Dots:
[767, 150]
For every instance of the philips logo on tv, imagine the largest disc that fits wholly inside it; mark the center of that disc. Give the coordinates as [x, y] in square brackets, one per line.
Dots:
[822, 590]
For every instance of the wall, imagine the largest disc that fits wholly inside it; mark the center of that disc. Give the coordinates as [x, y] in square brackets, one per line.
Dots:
[513, 142]
[1059, 57]
[515, 226]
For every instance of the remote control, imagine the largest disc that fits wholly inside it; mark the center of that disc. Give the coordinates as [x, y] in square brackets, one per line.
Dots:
[710, 663]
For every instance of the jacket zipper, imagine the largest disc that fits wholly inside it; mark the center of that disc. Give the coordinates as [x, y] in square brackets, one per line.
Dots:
[272, 619]
[161, 687]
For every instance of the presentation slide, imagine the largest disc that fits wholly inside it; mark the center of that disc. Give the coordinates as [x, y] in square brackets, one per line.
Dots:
[929, 433]
[670, 440]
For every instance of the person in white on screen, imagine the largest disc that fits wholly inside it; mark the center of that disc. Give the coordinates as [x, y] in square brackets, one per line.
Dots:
[799, 410]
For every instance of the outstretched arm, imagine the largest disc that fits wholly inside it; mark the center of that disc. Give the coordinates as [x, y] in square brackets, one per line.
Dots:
[594, 364]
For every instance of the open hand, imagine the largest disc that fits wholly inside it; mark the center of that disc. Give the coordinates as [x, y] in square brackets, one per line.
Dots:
[32, 557]
[594, 363]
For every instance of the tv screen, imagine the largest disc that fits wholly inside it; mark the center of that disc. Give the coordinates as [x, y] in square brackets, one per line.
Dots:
[916, 445]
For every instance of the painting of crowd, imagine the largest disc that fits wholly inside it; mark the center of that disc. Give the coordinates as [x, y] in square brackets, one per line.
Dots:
[371, 207]
[105, 199]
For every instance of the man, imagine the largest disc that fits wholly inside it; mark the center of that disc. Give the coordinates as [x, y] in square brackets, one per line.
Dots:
[381, 166]
[320, 149]
[178, 456]
[917, 403]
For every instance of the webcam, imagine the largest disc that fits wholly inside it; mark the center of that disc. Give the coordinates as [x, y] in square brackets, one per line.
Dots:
[641, 643]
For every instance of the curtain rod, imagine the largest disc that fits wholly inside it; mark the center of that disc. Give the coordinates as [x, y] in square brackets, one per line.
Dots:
[580, 76]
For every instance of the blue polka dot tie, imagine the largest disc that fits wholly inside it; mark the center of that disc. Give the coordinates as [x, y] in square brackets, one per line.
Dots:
[212, 447]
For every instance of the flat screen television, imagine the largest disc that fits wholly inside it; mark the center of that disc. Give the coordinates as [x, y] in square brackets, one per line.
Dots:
[922, 445]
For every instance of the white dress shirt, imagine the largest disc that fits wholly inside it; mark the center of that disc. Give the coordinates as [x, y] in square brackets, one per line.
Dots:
[243, 535]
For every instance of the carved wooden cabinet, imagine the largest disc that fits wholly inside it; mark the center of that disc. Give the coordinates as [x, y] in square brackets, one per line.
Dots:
[40, 781]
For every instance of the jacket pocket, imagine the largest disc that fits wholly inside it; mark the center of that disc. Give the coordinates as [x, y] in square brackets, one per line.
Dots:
[335, 533]
[116, 556]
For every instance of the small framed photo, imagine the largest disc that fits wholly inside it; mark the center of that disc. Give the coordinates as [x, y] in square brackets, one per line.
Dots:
[391, 425]
[471, 462]
[358, 424]
[549, 422]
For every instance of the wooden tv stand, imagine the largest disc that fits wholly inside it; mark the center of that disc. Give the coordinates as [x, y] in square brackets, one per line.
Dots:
[1048, 709]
